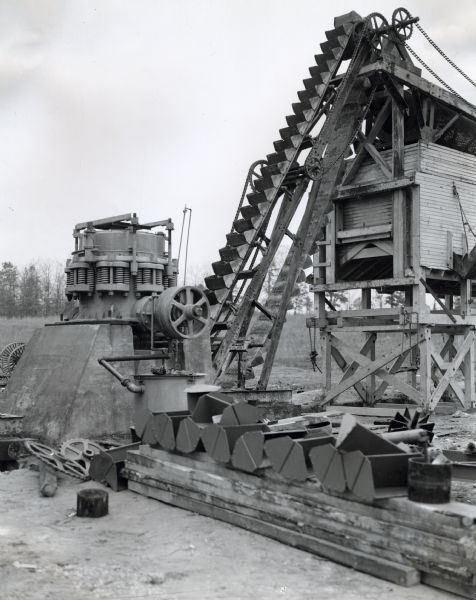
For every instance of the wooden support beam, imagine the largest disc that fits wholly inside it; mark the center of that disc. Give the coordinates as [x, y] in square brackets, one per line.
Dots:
[377, 126]
[375, 155]
[339, 128]
[445, 127]
[451, 371]
[379, 392]
[406, 389]
[398, 132]
[353, 192]
[412, 80]
[430, 290]
[399, 230]
[349, 369]
[368, 368]
[369, 283]
[443, 367]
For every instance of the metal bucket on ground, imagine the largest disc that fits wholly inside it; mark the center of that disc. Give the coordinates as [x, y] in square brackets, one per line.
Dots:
[427, 482]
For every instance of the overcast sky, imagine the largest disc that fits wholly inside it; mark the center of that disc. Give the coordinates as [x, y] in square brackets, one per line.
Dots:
[115, 106]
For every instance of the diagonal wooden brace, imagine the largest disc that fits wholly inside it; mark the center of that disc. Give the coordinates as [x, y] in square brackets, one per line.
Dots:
[369, 367]
[451, 371]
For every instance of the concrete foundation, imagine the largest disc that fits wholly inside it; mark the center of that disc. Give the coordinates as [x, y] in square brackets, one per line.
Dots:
[61, 389]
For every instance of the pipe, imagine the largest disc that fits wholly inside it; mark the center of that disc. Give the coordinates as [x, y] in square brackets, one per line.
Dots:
[133, 357]
[135, 388]
[407, 436]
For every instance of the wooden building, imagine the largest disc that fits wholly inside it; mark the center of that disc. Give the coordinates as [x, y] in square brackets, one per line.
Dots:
[404, 219]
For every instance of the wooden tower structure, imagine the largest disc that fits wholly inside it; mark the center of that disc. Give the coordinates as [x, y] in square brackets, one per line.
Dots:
[384, 163]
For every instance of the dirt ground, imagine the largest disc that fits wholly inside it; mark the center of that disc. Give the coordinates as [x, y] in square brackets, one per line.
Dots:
[146, 549]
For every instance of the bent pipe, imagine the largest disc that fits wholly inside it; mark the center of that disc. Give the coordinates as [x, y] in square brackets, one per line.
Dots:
[135, 388]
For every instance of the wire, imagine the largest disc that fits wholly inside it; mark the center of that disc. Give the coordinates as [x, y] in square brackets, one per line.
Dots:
[186, 244]
[185, 210]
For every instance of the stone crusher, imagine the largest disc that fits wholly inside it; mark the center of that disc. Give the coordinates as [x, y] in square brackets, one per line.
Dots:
[382, 164]
[124, 307]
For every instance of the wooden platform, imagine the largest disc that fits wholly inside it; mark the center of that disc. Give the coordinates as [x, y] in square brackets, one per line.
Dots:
[397, 540]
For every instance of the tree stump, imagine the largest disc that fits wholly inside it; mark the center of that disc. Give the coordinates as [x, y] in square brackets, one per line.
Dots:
[92, 503]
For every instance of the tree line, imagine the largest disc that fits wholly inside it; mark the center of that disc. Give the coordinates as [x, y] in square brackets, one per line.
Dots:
[36, 290]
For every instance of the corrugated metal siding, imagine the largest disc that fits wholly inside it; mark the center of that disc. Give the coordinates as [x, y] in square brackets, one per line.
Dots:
[439, 209]
[368, 212]
[370, 173]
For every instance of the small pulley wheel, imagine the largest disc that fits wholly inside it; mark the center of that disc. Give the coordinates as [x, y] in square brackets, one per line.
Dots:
[182, 312]
[377, 26]
[401, 22]
[254, 174]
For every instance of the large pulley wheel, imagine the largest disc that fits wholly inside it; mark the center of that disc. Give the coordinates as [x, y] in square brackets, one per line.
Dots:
[402, 23]
[9, 357]
[377, 26]
[182, 312]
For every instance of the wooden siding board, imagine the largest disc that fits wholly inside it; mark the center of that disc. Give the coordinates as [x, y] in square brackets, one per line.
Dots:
[439, 209]
[367, 212]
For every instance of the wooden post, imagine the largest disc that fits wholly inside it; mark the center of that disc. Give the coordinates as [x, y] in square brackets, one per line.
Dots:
[469, 378]
[331, 248]
[425, 367]
[465, 297]
[367, 304]
[399, 198]
[326, 359]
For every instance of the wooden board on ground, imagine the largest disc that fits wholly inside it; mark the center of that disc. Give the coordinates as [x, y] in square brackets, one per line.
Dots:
[393, 539]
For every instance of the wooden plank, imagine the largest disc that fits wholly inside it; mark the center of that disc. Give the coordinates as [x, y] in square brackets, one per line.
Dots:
[364, 231]
[356, 532]
[272, 500]
[347, 192]
[366, 312]
[370, 283]
[453, 520]
[401, 574]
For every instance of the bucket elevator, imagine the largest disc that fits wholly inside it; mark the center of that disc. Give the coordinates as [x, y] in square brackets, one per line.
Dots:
[125, 317]
[383, 163]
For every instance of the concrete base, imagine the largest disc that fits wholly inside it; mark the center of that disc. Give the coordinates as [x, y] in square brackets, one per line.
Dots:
[61, 389]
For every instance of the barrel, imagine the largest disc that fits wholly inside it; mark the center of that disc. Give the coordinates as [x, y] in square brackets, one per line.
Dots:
[427, 482]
